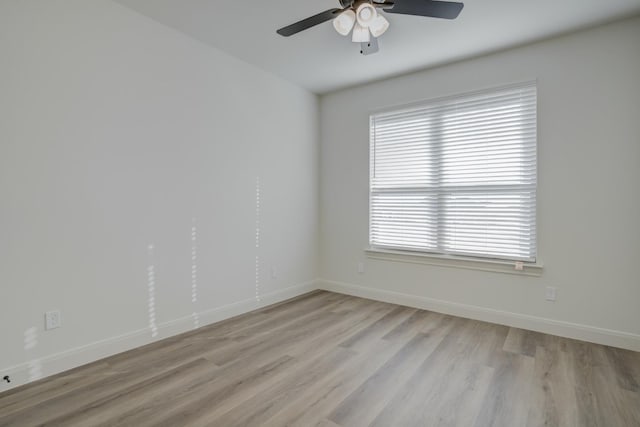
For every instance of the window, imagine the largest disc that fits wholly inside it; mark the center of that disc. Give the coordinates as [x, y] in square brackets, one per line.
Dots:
[457, 176]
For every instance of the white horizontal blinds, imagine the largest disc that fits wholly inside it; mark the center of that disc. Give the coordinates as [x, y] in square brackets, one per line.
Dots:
[404, 219]
[403, 213]
[457, 176]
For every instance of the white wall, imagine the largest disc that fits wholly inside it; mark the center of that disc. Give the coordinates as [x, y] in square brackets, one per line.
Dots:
[115, 132]
[588, 192]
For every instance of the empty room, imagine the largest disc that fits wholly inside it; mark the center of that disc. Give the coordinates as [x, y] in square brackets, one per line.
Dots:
[328, 213]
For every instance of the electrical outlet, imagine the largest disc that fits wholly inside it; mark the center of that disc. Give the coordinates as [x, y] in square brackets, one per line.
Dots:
[52, 319]
[361, 267]
[274, 272]
[550, 293]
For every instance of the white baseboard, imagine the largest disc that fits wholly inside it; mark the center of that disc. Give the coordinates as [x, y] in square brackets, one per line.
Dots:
[576, 331]
[78, 356]
[59, 362]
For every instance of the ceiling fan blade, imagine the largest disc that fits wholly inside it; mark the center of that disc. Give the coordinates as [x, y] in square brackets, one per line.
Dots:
[311, 21]
[431, 8]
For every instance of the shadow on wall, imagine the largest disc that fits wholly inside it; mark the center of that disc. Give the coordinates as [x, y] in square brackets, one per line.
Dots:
[258, 239]
[35, 365]
[30, 343]
[194, 274]
[151, 279]
[151, 288]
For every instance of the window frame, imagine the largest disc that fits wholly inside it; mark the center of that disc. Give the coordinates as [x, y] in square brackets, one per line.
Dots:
[442, 257]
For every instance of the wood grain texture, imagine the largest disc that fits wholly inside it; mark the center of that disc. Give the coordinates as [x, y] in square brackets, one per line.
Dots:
[330, 360]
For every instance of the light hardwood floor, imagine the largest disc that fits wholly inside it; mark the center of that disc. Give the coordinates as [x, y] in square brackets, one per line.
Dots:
[331, 360]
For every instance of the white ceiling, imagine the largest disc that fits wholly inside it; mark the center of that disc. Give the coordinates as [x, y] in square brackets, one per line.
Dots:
[321, 60]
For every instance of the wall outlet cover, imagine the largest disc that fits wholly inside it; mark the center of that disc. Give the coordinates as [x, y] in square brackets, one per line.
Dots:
[52, 319]
[550, 293]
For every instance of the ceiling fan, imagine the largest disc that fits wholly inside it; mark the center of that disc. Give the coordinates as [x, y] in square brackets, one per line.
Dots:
[364, 17]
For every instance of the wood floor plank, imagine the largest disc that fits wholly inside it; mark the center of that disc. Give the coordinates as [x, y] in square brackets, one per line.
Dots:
[507, 401]
[293, 335]
[197, 402]
[248, 323]
[326, 423]
[449, 379]
[631, 402]
[81, 399]
[350, 304]
[318, 401]
[553, 398]
[598, 394]
[332, 360]
[326, 340]
[523, 342]
[286, 315]
[262, 407]
[412, 324]
[48, 388]
[112, 410]
[378, 328]
[611, 406]
[305, 348]
[452, 398]
[362, 406]
[626, 367]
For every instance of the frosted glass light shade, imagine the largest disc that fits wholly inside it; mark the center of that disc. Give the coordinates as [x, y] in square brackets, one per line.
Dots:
[379, 26]
[365, 14]
[343, 23]
[360, 34]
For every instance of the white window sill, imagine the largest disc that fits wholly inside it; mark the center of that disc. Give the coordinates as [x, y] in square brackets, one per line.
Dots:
[496, 266]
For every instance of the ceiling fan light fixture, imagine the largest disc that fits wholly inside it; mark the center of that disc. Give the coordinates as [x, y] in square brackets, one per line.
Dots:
[379, 26]
[360, 34]
[366, 14]
[366, 23]
[343, 23]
